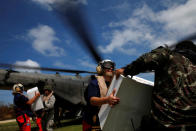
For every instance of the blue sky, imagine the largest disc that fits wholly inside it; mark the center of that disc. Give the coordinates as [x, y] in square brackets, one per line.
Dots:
[32, 34]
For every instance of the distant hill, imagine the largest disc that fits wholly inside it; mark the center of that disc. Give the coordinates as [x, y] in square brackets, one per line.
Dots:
[6, 112]
[1, 103]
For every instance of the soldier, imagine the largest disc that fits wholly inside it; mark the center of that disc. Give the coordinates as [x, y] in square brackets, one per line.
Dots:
[174, 92]
[48, 115]
[95, 95]
[22, 107]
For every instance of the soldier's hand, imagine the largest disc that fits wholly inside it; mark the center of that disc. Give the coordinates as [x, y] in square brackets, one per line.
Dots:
[118, 72]
[113, 100]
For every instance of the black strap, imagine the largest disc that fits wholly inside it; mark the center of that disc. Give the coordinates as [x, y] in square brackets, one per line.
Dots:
[191, 55]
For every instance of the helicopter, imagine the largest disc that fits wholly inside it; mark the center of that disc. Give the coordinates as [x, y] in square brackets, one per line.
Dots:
[69, 89]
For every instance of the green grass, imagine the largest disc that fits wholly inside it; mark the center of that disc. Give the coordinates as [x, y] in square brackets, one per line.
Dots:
[70, 128]
[13, 126]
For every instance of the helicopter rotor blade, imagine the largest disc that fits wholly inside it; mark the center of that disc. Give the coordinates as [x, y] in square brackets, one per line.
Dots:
[44, 68]
[74, 16]
[190, 37]
[172, 46]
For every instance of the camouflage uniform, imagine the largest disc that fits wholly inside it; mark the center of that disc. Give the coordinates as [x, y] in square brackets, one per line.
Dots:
[174, 93]
[48, 118]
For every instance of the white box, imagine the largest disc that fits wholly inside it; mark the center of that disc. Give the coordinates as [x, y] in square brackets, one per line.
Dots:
[38, 104]
[135, 102]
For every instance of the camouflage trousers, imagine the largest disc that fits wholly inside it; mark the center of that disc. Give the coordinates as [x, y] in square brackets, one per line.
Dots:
[150, 124]
[48, 121]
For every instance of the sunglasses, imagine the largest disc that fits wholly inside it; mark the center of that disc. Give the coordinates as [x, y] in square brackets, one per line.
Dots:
[109, 69]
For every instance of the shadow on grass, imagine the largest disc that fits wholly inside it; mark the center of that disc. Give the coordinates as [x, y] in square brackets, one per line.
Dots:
[69, 123]
[64, 123]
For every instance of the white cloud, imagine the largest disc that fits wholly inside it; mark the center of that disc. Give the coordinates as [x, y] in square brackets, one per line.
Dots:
[43, 41]
[146, 27]
[28, 63]
[62, 65]
[49, 3]
[180, 19]
[174, 23]
[130, 51]
[132, 31]
[87, 64]
[145, 13]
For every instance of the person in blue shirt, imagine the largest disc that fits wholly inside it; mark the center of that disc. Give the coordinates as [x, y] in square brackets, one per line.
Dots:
[95, 95]
[22, 107]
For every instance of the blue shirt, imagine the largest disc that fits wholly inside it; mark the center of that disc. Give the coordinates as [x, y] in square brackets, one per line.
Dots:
[20, 105]
[91, 111]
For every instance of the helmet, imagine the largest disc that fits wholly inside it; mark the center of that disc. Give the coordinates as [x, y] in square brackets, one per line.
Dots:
[17, 88]
[48, 87]
[186, 44]
[105, 64]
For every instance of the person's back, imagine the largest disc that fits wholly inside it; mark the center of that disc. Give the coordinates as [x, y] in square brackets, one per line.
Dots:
[20, 105]
[174, 92]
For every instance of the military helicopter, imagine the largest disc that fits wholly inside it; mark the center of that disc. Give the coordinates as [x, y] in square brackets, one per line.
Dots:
[69, 90]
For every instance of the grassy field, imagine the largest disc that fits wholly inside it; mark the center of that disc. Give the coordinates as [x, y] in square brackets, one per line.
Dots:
[70, 128]
[67, 126]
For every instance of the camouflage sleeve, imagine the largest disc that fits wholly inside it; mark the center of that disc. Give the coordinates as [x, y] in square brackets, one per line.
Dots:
[50, 103]
[148, 62]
